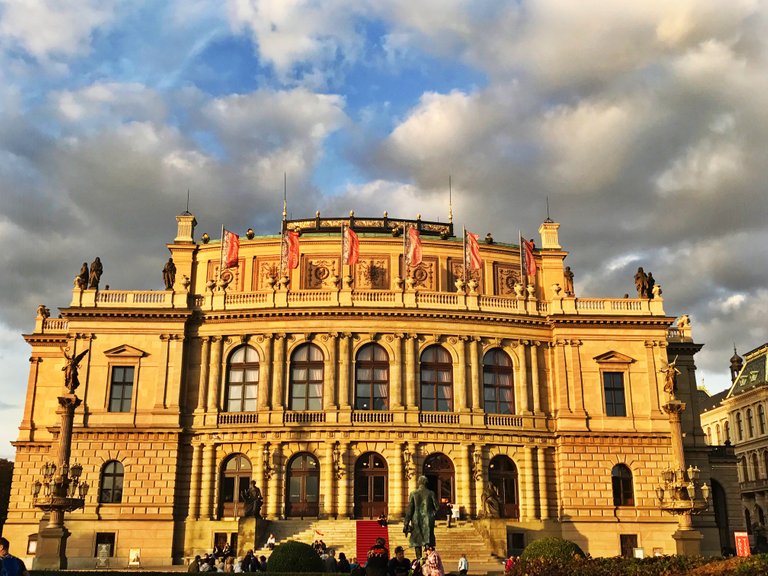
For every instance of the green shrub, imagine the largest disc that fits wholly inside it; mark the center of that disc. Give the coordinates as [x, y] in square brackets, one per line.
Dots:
[552, 548]
[294, 557]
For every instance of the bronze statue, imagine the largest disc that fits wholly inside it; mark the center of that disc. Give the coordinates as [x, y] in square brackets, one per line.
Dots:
[253, 500]
[420, 517]
[670, 372]
[169, 274]
[491, 502]
[96, 271]
[641, 283]
[81, 280]
[651, 283]
[568, 281]
[71, 381]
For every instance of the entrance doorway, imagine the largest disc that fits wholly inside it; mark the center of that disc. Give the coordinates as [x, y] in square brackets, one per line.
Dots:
[502, 474]
[438, 469]
[370, 486]
[235, 478]
[720, 504]
[303, 486]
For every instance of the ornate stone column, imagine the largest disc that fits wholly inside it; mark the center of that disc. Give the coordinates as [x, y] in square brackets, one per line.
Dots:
[274, 501]
[543, 491]
[205, 360]
[345, 481]
[161, 376]
[578, 386]
[278, 372]
[410, 371]
[206, 486]
[215, 380]
[329, 373]
[475, 370]
[327, 482]
[460, 375]
[262, 401]
[396, 476]
[535, 383]
[529, 503]
[193, 512]
[464, 488]
[480, 477]
[523, 378]
[561, 380]
[344, 360]
[396, 372]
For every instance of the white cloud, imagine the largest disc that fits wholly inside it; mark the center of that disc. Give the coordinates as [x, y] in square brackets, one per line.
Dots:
[48, 28]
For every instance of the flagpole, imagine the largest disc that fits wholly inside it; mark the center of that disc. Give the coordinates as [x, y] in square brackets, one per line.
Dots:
[405, 264]
[342, 249]
[522, 257]
[464, 251]
[221, 252]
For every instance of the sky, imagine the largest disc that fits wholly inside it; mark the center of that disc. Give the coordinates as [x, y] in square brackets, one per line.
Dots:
[644, 124]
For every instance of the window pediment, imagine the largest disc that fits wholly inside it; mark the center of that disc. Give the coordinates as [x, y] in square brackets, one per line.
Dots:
[613, 357]
[125, 351]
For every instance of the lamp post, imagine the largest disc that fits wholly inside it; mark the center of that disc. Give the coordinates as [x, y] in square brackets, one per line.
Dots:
[680, 492]
[60, 488]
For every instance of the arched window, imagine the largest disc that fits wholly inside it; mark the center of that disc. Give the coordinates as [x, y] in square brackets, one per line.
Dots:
[436, 380]
[306, 378]
[760, 515]
[623, 491]
[498, 389]
[761, 418]
[235, 477]
[744, 470]
[242, 380]
[755, 467]
[111, 483]
[748, 520]
[727, 431]
[765, 461]
[717, 433]
[750, 423]
[372, 378]
[739, 427]
[709, 435]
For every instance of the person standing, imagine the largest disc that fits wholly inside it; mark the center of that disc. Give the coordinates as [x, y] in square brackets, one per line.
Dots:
[463, 565]
[11, 566]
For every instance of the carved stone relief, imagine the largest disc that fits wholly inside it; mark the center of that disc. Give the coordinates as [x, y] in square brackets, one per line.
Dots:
[372, 274]
[319, 272]
[237, 281]
[505, 278]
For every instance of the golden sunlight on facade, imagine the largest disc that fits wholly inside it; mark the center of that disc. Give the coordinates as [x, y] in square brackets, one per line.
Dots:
[333, 386]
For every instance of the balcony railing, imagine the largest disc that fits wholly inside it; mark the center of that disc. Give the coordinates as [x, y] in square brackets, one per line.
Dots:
[754, 485]
[372, 417]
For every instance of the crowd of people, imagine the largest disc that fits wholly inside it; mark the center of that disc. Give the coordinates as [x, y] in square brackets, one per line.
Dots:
[377, 563]
[223, 560]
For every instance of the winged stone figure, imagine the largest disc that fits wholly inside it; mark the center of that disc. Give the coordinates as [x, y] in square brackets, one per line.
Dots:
[71, 381]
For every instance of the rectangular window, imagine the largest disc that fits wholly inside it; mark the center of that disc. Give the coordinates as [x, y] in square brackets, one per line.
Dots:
[628, 544]
[121, 389]
[105, 545]
[613, 384]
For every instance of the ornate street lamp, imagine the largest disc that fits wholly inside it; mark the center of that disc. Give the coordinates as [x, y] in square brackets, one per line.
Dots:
[679, 491]
[60, 488]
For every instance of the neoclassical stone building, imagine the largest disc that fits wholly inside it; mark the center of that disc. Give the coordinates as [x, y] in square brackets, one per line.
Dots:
[334, 386]
[738, 416]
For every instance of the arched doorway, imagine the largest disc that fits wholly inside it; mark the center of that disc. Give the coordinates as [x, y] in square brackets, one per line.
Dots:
[303, 486]
[438, 469]
[235, 477]
[370, 486]
[720, 505]
[502, 474]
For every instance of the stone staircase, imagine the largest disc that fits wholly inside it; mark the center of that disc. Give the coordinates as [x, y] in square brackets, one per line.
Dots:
[340, 535]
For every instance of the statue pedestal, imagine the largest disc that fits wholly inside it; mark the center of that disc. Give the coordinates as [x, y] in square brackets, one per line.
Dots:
[51, 553]
[250, 531]
[688, 542]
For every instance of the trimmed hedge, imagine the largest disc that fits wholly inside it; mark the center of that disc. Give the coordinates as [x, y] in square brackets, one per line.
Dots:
[294, 557]
[552, 548]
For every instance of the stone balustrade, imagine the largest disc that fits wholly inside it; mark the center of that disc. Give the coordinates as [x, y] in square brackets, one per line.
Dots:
[218, 300]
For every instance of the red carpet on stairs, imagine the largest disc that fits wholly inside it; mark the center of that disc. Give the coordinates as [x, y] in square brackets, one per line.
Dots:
[366, 533]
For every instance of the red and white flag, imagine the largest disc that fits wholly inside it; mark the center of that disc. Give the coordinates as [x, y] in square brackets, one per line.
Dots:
[472, 251]
[230, 250]
[289, 254]
[412, 246]
[350, 246]
[530, 261]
